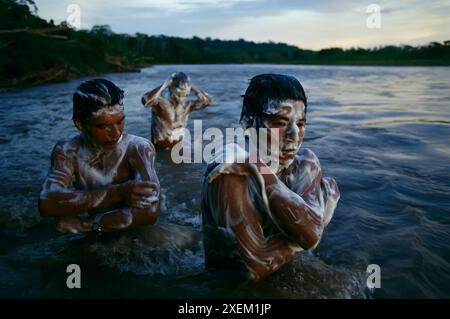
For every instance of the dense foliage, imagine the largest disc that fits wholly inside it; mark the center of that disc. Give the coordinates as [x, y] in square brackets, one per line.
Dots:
[34, 51]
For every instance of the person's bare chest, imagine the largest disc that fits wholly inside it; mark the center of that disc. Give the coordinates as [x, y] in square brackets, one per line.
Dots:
[97, 170]
[174, 115]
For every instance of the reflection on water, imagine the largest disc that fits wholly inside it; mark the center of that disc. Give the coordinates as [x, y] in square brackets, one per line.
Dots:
[382, 132]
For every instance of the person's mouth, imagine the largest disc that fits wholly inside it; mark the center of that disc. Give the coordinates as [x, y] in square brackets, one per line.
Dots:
[114, 142]
[288, 153]
[111, 144]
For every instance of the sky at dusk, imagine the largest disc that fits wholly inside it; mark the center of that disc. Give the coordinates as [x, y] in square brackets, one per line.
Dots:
[307, 24]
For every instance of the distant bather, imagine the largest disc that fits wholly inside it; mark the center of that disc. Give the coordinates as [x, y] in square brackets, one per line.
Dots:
[169, 116]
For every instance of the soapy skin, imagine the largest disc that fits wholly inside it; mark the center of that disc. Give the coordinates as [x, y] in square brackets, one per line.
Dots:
[104, 172]
[258, 221]
[169, 117]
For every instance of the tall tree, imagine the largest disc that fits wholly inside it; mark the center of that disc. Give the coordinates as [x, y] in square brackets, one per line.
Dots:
[30, 3]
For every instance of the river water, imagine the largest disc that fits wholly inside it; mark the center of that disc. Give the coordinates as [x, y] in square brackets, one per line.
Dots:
[382, 132]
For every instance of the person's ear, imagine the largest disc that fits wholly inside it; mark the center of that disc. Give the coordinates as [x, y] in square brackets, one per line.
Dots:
[246, 122]
[80, 126]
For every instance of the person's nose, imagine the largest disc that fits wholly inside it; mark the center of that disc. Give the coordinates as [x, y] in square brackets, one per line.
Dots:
[292, 133]
[116, 131]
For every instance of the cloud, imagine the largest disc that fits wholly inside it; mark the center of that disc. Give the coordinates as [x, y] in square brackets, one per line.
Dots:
[306, 23]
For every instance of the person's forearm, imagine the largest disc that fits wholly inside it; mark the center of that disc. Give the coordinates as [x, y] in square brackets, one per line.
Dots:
[151, 98]
[268, 259]
[203, 99]
[289, 211]
[126, 218]
[294, 216]
[161, 89]
[145, 216]
[234, 205]
[72, 203]
[196, 91]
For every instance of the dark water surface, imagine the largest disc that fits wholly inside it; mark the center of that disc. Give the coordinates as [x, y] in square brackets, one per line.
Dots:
[382, 132]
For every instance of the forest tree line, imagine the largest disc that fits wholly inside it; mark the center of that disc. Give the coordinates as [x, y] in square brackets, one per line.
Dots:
[35, 51]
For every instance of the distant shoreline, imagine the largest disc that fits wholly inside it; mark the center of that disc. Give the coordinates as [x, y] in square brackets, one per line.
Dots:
[38, 52]
[62, 77]
[42, 81]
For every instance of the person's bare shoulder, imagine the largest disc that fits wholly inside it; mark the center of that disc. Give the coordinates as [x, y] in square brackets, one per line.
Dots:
[139, 144]
[306, 158]
[306, 166]
[161, 105]
[67, 147]
[309, 169]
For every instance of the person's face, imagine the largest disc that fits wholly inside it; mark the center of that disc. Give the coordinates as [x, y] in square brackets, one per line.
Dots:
[107, 129]
[180, 91]
[290, 122]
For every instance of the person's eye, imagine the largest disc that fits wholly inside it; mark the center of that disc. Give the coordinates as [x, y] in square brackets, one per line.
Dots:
[280, 123]
[102, 127]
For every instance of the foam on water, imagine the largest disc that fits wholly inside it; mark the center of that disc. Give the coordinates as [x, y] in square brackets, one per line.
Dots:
[382, 132]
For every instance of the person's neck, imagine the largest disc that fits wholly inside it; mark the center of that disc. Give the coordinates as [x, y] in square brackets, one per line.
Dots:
[94, 147]
[176, 102]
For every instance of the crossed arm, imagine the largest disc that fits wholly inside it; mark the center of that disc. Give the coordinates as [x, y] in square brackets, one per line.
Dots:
[58, 199]
[229, 198]
[299, 218]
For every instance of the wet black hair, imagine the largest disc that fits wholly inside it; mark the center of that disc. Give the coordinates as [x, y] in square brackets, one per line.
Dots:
[94, 95]
[264, 88]
[179, 78]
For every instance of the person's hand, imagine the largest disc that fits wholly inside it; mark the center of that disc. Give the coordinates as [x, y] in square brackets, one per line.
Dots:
[169, 81]
[140, 194]
[210, 99]
[332, 195]
[202, 94]
[72, 225]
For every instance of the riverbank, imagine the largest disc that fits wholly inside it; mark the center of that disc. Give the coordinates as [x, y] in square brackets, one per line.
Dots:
[61, 75]
[36, 52]
[66, 74]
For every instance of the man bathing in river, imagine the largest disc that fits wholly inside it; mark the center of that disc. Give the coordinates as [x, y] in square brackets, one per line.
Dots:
[169, 117]
[257, 217]
[104, 172]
